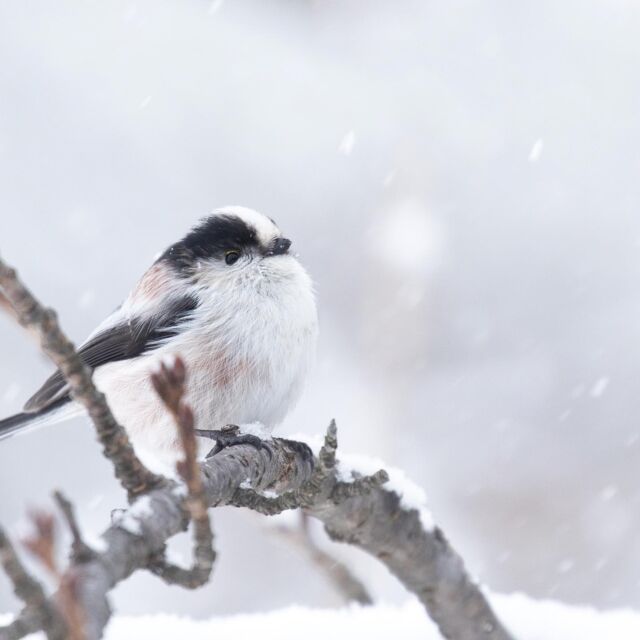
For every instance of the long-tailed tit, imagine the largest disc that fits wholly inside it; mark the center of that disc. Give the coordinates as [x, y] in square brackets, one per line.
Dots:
[233, 302]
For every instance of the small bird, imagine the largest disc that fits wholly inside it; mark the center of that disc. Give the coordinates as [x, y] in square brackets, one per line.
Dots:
[234, 303]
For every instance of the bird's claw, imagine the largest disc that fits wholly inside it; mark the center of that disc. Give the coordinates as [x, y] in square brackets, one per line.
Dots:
[229, 436]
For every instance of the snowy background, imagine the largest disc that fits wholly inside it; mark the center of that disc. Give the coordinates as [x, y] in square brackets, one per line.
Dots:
[462, 181]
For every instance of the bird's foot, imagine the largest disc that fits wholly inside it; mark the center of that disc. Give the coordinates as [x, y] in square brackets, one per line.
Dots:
[229, 436]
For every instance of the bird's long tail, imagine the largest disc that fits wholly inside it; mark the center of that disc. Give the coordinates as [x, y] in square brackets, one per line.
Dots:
[55, 412]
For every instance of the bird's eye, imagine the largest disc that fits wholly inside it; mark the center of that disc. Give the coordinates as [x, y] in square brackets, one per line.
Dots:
[231, 257]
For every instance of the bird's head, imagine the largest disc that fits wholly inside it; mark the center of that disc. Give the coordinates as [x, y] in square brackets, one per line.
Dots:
[232, 244]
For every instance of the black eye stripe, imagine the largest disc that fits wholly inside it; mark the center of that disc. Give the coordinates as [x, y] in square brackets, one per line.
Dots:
[210, 239]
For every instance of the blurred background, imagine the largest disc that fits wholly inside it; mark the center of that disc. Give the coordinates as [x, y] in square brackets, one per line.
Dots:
[462, 181]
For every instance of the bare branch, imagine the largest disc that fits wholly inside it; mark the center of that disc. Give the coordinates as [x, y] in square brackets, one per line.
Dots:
[80, 550]
[42, 544]
[350, 588]
[6, 307]
[376, 521]
[170, 385]
[69, 582]
[131, 473]
[39, 613]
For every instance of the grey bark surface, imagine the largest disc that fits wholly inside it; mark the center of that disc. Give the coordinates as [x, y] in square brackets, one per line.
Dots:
[375, 521]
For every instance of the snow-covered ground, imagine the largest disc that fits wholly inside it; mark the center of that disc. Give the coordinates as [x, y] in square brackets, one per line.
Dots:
[527, 619]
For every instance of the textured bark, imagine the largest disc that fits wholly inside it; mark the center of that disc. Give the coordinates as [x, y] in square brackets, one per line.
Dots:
[39, 611]
[422, 560]
[372, 519]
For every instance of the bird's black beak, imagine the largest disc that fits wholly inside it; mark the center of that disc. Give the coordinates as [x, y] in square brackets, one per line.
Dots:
[279, 247]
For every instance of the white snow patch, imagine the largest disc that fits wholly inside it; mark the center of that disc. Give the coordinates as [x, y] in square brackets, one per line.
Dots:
[536, 150]
[256, 429]
[130, 519]
[527, 619]
[347, 143]
[412, 496]
[180, 491]
[266, 493]
[313, 441]
[174, 556]
[142, 506]
[289, 519]
[599, 387]
[130, 524]
[98, 544]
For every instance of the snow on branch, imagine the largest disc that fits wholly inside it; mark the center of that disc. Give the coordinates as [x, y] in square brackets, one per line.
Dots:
[356, 507]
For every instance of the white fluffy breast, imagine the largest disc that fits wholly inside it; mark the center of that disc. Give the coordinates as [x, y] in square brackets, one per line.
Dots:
[247, 349]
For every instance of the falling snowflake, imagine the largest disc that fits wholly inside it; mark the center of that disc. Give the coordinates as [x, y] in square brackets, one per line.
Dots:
[347, 143]
[536, 150]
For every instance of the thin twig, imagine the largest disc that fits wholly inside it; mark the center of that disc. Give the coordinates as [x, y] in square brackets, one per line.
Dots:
[39, 610]
[6, 307]
[80, 550]
[350, 588]
[42, 544]
[170, 384]
[129, 470]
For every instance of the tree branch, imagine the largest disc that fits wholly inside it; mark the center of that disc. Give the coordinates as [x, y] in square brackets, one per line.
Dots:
[350, 588]
[364, 512]
[80, 550]
[39, 613]
[42, 544]
[376, 521]
[170, 385]
[131, 473]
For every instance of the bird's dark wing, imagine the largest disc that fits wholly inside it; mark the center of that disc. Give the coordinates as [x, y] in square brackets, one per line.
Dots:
[124, 340]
